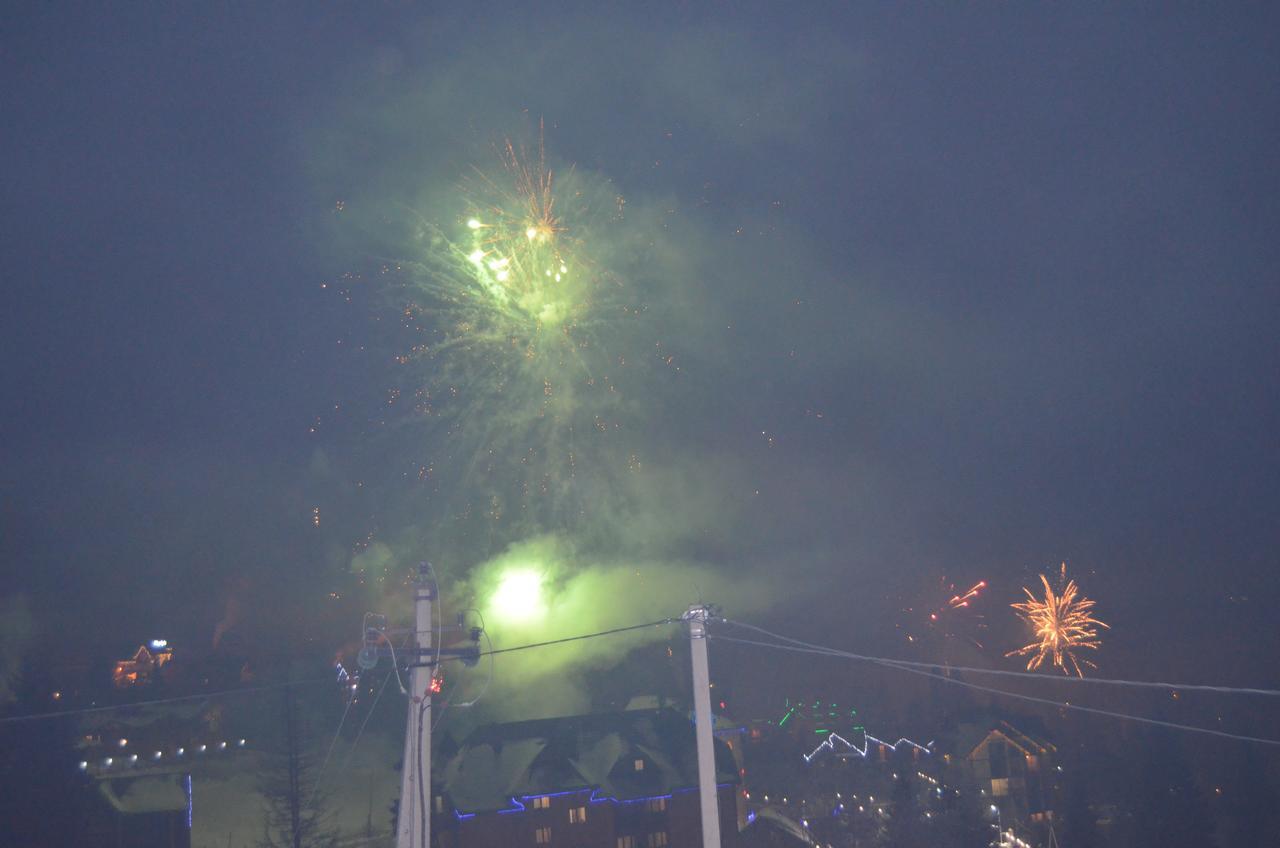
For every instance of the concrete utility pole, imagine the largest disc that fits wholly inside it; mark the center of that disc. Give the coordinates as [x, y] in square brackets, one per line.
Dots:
[697, 617]
[413, 826]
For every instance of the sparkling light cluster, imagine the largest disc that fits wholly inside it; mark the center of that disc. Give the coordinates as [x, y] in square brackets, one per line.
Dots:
[952, 614]
[1063, 623]
[518, 334]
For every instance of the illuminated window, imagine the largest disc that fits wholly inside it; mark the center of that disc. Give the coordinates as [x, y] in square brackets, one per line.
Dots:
[439, 803]
[577, 815]
[626, 842]
[657, 840]
[542, 802]
[542, 836]
[1000, 786]
[655, 805]
[639, 765]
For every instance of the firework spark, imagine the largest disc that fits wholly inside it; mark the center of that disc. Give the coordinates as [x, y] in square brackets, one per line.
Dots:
[519, 335]
[952, 614]
[1064, 624]
[961, 600]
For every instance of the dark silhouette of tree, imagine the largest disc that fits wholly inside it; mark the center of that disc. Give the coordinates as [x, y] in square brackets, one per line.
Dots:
[907, 826]
[1247, 810]
[1079, 828]
[17, 629]
[296, 814]
[45, 800]
[1169, 807]
[962, 822]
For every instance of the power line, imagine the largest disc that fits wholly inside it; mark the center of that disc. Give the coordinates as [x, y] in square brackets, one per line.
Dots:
[577, 638]
[1103, 681]
[830, 652]
[270, 686]
[354, 742]
[203, 696]
[351, 699]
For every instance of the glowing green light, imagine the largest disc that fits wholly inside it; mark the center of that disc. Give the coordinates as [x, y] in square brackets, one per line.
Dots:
[476, 256]
[519, 598]
[473, 224]
[531, 233]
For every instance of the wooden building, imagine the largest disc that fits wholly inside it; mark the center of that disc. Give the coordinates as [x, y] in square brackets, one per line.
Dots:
[607, 780]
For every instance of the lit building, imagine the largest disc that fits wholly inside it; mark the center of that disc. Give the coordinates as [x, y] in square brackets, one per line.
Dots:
[1016, 771]
[143, 665]
[618, 780]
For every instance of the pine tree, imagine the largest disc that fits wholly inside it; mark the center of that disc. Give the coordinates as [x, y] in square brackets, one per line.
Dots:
[296, 815]
[907, 827]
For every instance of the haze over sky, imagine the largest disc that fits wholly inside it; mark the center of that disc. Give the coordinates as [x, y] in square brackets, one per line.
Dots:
[962, 291]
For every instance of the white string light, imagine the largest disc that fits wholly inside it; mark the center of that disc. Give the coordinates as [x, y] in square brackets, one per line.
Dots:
[867, 739]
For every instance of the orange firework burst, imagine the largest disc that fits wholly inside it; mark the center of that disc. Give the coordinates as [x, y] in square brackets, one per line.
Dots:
[1063, 622]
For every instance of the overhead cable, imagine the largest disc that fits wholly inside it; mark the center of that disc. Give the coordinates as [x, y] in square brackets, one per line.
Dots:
[1065, 705]
[1102, 681]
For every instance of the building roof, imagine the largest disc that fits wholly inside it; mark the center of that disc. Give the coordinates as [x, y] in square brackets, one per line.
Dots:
[154, 794]
[971, 742]
[771, 827]
[499, 765]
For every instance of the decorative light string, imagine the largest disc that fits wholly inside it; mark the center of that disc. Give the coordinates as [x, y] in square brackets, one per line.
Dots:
[867, 740]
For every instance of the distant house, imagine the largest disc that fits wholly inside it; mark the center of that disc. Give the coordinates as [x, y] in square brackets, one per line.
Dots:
[142, 666]
[607, 780]
[1016, 770]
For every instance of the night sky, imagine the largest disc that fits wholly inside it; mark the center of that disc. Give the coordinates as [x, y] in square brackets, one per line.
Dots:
[960, 291]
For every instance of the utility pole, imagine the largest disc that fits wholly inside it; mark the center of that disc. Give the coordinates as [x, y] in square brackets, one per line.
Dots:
[697, 617]
[413, 826]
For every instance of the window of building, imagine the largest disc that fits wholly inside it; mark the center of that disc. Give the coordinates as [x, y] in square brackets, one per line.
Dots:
[998, 759]
[657, 840]
[542, 836]
[626, 842]
[542, 802]
[439, 803]
[577, 815]
[655, 805]
[1000, 786]
[639, 765]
